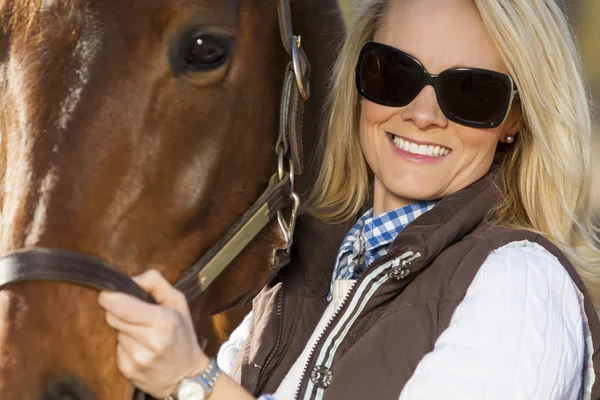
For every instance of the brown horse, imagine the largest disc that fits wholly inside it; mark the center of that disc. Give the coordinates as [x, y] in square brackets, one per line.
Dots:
[136, 132]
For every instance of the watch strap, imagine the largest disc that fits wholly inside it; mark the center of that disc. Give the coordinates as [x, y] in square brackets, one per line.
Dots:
[209, 377]
[206, 380]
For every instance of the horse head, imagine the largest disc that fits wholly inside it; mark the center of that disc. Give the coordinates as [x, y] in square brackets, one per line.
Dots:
[137, 133]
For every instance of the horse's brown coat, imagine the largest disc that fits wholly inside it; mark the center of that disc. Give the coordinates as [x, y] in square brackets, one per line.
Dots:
[106, 150]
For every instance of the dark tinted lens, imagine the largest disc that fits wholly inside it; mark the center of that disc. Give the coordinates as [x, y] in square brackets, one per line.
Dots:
[386, 76]
[474, 96]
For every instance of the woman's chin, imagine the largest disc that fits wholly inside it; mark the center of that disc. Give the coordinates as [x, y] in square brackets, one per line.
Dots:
[418, 187]
[405, 196]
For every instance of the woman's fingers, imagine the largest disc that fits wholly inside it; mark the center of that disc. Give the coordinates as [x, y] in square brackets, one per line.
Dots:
[157, 345]
[125, 363]
[139, 357]
[128, 308]
[157, 338]
[139, 333]
[155, 284]
[138, 364]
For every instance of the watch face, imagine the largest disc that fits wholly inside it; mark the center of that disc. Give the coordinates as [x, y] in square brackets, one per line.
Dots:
[190, 390]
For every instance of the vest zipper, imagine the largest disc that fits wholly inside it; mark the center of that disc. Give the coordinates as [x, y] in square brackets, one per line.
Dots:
[404, 259]
[262, 374]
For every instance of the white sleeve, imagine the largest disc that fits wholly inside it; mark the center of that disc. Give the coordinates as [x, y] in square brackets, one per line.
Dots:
[517, 334]
[227, 355]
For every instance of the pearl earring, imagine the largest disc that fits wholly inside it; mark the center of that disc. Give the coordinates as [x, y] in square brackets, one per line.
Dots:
[509, 139]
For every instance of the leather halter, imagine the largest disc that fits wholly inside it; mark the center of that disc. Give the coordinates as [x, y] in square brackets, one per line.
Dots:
[39, 264]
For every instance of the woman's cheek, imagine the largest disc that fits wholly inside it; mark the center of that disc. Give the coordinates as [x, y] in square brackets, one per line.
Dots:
[480, 142]
[372, 113]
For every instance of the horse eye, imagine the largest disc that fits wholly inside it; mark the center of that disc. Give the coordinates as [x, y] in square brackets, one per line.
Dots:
[207, 51]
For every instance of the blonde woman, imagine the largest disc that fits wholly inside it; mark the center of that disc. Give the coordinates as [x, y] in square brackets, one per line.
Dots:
[475, 273]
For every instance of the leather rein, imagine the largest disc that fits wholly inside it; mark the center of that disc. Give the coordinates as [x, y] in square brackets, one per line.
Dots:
[57, 265]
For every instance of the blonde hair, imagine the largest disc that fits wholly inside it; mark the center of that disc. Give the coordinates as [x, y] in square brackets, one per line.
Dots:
[546, 176]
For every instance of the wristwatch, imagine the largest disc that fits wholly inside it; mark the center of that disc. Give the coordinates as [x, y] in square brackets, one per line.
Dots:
[199, 387]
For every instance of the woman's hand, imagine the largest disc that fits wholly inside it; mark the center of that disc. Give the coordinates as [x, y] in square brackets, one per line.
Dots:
[157, 345]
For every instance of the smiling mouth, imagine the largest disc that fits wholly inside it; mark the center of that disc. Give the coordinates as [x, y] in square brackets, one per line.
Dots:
[419, 149]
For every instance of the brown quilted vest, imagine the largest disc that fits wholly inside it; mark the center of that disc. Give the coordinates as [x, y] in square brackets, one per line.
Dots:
[407, 297]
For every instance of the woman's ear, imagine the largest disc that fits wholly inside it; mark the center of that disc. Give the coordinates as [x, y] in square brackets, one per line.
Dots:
[511, 126]
[507, 139]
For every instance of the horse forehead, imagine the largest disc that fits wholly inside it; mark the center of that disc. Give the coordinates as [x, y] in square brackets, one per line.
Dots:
[81, 9]
[86, 40]
[87, 46]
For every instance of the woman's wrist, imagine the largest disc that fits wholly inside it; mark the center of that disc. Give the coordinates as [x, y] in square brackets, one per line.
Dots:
[199, 380]
[200, 365]
[224, 388]
[227, 389]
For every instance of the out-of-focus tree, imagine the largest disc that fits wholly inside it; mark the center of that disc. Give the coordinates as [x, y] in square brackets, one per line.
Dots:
[588, 29]
[587, 17]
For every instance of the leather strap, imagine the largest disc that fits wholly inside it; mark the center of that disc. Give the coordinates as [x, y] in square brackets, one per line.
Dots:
[284, 14]
[292, 97]
[200, 275]
[66, 266]
[291, 120]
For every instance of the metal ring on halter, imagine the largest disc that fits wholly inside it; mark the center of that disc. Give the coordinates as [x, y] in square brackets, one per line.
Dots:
[287, 229]
[296, 47]
[282, 141]
[281, 172]
[284, 229]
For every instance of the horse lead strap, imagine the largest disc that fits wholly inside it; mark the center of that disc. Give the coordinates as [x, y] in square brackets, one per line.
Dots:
[280, 192]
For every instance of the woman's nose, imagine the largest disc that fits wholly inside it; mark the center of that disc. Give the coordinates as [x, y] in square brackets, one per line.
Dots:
[71, 388]
[424, 111]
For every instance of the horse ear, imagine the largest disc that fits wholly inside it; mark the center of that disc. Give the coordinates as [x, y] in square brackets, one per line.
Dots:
[321, 26]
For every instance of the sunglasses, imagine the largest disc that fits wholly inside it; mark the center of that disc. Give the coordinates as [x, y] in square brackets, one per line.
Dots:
[478, 98]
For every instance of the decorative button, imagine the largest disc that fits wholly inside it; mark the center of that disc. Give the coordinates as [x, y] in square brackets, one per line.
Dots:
[321, 376]
[398, 273]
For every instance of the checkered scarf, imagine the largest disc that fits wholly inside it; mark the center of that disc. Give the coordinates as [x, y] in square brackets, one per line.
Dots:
[370, 238]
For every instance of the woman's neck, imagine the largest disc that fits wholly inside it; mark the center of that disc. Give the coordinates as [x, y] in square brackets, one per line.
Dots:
[384, 200]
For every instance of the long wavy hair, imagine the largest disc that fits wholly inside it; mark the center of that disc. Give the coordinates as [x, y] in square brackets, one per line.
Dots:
[546, 174]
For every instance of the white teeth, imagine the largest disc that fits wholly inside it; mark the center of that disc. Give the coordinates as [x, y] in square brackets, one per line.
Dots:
[432, 151]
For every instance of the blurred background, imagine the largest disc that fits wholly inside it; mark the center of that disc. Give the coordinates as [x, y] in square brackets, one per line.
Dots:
[585, 15]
